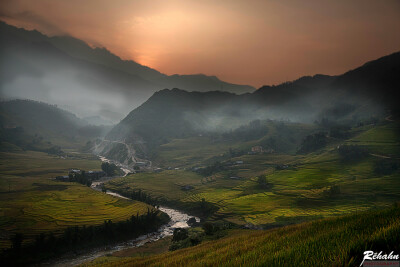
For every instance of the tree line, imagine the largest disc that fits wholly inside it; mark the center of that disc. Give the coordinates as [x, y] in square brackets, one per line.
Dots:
[78, 238]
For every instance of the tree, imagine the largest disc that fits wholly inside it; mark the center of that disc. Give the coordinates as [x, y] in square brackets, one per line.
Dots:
[313, 142]
[180, 234]
[262, 181]
[109, 168]
[208, 228]
[103, 189]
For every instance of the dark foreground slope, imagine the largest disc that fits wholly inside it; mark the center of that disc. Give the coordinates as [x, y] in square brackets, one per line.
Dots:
[330, 242]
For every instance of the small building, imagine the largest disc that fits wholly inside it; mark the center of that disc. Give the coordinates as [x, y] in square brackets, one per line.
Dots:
[140, 164]
[239, 162]
[257, 149]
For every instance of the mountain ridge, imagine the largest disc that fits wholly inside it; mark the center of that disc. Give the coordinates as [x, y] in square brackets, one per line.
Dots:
[177, 114]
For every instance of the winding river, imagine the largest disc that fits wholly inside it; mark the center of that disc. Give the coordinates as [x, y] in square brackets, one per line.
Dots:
[178, 220]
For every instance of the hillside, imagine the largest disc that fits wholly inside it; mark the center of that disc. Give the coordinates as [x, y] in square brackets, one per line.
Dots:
[98, 81]
[357, 170]
[31, 125]
[346, 99]
[168, 113]
[338, 242]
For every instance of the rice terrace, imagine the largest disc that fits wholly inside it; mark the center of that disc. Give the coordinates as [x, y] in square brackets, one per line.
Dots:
[120, 147]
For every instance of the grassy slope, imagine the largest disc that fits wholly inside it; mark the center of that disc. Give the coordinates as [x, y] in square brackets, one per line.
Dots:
[297, 194]
[330, 242]
[31, 203]
[204, 149]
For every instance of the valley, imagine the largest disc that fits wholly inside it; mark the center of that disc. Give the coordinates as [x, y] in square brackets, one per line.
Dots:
[317, 185]
[105, 161]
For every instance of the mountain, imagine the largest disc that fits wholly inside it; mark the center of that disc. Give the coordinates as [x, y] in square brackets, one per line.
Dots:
[357, 95]
[172, 113]
[28, 124]
[88, 81]
[379, 79]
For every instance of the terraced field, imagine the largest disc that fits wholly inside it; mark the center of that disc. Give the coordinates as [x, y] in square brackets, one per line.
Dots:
[303, 191]
[339, 241]
[31, 202]
[384, 139]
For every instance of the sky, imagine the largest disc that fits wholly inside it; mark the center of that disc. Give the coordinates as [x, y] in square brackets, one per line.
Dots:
[247, 42]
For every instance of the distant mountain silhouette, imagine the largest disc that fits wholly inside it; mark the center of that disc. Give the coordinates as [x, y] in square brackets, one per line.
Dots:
[38, 117]
[28, 123]
[348, 98]
[35, 66]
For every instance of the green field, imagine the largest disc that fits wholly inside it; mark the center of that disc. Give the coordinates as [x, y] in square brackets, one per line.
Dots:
[31, 202]
[197, 150]
[299, 193]
[330, 242]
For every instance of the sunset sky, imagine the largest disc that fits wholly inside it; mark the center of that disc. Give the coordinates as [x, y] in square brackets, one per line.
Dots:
[246, 42]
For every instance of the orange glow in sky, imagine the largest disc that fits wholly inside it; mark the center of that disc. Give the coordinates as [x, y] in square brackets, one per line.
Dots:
[247, 42]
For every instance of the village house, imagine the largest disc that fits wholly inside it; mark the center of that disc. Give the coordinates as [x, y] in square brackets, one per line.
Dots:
[257, 149]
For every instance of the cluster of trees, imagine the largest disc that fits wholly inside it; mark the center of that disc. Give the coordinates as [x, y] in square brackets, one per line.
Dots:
[77, 238]
[209, 170]
[143, 197]
[139, 195]
[262, 182]
[81, 178]
[352, 152]
[215, 228]
[110, 169]
[184, 238]
[313, 142]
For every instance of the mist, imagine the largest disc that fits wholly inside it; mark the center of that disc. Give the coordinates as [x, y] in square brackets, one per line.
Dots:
[83, 88]
[336, 106]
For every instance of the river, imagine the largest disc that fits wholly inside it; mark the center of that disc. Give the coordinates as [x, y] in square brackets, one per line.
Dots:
[178, 220]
